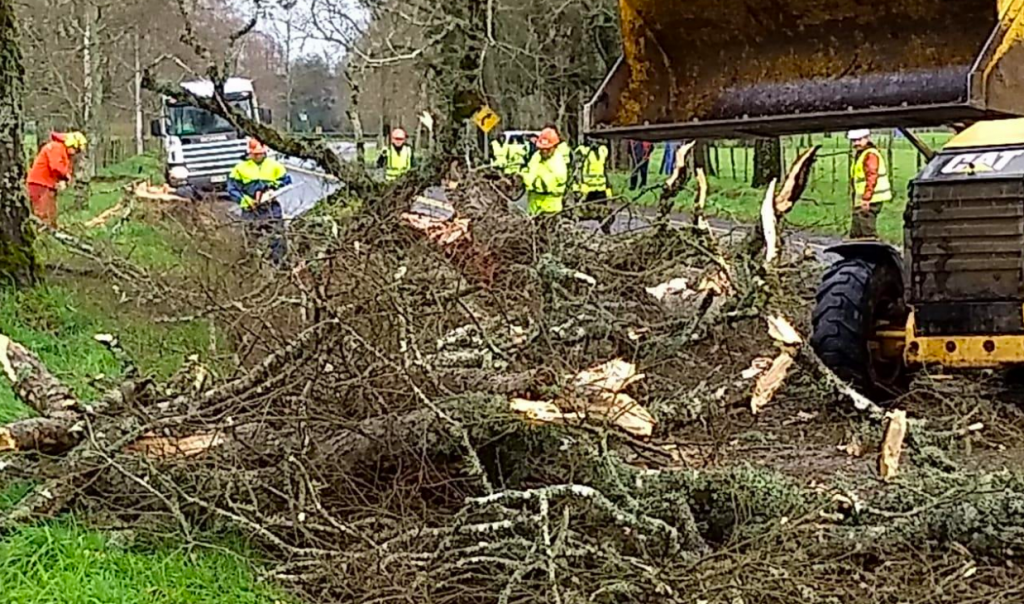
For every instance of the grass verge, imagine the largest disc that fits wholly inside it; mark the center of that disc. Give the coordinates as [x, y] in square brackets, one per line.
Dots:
[62, 561]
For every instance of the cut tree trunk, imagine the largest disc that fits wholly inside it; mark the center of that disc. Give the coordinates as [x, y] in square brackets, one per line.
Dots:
[767, 161]
[17, 259]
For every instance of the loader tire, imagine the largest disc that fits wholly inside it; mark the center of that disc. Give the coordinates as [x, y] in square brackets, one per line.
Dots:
[854, 294]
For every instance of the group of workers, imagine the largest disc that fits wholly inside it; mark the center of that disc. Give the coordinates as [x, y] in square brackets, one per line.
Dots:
[546, 173]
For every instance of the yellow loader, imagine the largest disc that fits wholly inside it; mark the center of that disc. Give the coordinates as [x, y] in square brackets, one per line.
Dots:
[741, 68]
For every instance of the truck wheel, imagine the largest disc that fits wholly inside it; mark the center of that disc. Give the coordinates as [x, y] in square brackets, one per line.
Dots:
[855, 297]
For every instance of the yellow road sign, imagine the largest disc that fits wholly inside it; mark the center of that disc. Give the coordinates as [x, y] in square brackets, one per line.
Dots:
[486, 119]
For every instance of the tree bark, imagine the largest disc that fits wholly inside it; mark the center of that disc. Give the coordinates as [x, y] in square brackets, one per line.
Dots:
[767, 161]
[140, 143]
[17, 259]
[92, 87]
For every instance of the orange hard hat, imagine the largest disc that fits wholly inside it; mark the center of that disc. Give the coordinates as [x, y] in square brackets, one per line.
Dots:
[548, 139]
[398, 136]
[256, 147]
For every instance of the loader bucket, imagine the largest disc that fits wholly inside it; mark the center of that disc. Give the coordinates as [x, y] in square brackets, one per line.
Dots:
[733, 68]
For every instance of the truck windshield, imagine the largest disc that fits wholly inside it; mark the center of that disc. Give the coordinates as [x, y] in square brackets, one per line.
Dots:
[187, 120]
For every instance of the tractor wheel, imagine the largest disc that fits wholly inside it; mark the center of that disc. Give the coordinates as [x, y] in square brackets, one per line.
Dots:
[855, 297]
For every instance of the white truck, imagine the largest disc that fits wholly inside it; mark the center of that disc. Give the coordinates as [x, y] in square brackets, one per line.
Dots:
[202, 148]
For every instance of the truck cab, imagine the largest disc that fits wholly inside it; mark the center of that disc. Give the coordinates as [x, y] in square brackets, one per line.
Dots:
[201, 148]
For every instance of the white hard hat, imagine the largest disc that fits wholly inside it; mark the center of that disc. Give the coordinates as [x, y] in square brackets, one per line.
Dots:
[178, 174]
[856, 135]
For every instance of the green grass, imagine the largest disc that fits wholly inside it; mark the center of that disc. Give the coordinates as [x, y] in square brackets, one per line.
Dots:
[826, 205]
[63, 563]
[60, 561]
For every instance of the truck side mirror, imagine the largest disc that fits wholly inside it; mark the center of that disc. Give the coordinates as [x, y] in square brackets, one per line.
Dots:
[156, 128]
[266, 116]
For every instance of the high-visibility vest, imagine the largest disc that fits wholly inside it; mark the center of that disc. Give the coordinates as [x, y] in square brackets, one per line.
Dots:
[398, 162]
[247, 172]
[592, 172]
[546, 180]
[883, 188]
[516, 157]
[500, 153]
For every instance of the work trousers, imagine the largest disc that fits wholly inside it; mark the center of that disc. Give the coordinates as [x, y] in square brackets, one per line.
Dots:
[265, 224]
[864, 224]
[44, 203]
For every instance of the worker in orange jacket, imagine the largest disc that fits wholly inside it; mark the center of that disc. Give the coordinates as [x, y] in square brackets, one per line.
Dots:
[51, 171]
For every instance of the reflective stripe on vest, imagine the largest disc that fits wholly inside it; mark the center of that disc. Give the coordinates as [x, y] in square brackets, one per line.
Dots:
[516, 157]
[267, 171]
[547, 176]
[399, 162]
[883, 188]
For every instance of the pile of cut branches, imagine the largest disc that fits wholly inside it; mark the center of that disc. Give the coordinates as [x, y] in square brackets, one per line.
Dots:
[477, 408]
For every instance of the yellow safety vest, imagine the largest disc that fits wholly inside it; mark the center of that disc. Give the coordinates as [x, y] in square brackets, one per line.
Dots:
[592, 173]
[398, 162]
[516, 158]
[545, 181]
[500, 153]
[883, 188]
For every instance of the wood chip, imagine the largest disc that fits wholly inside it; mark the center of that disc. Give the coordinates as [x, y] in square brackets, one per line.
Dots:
[625, 412]
[770, 382]
[674, 287]
[612, 377]
[544, 412]
[892, 445]
[783, 331]
[757, 367]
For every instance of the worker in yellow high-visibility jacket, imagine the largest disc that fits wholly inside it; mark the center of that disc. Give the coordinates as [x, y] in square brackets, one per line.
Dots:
[546, 176]
[592, 185]
[871, 185]
[397, 158]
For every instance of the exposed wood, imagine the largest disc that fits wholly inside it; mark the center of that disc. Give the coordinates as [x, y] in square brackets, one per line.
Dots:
[166, 447]
[770, 381]
[144, 190]
[783, 331]
[795, 184]
[612, 377]
[48, 436]
[769, 225]
[625, 412]
[699, 220]
[892, 444]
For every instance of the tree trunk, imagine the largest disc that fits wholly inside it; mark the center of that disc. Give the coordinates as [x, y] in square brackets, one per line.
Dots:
[767, 161]
[702, 157]
[17, 259]
[140, 143]
[92, 88]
